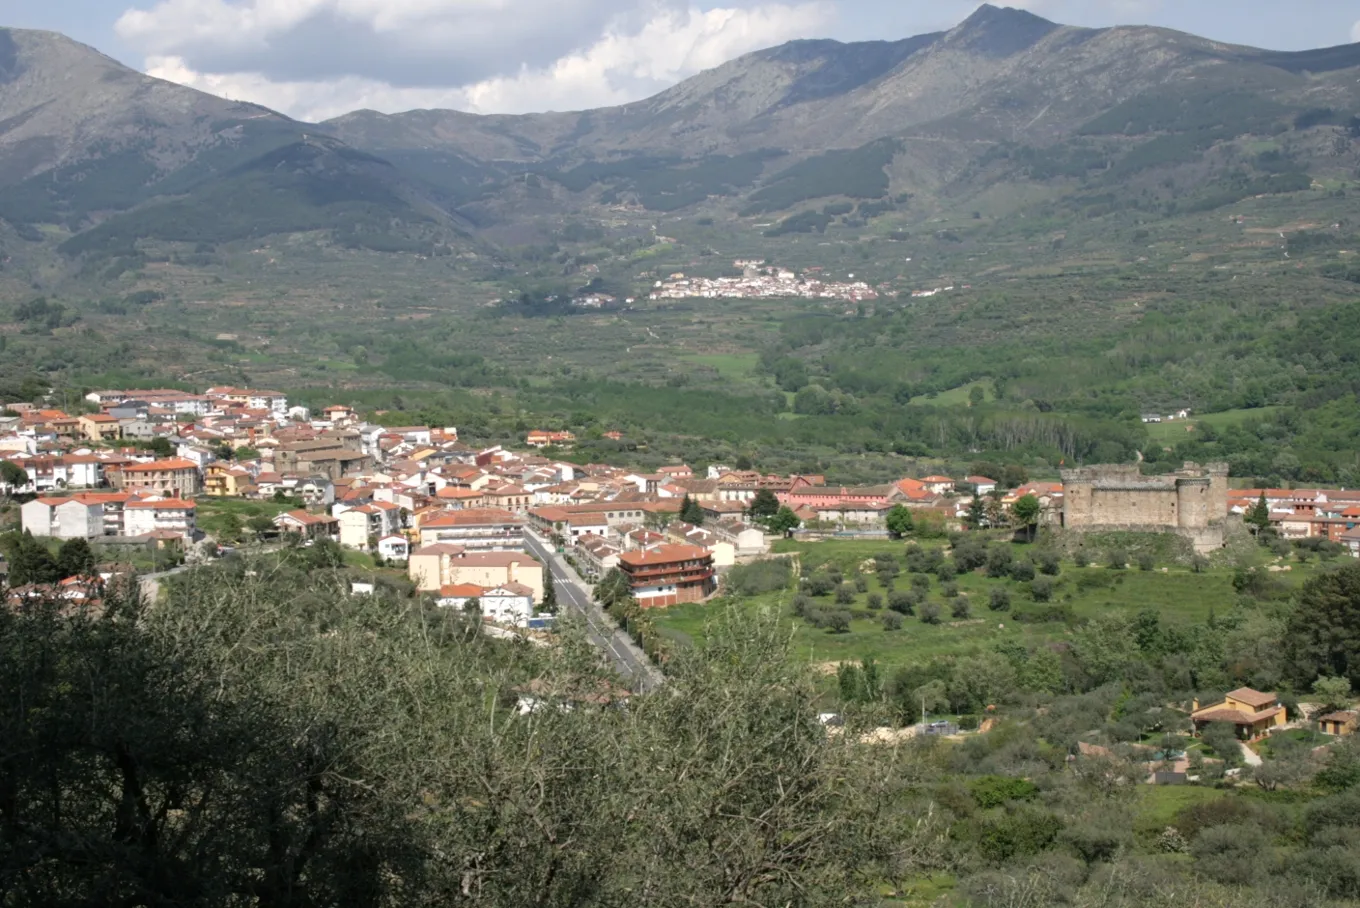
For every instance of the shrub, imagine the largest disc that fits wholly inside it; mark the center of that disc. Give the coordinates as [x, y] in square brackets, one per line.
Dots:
[1081, 559]
[759, 577]
[861, 583]
[1230, 854]
[892, 621]
[817, 585]
[1011, 835]
[1041, 588]
[961, 610]
[949, 590]
[930, 612]
[970, 554]
[993, 791]
[920, 583]
[875, 601]
[886, 580]
[1048, 563]
[946, 571]
[1118, 559]
[845, 594]
[999, 562]
[1023, 571]
[1146, 562]
[999, 599]
[902, 602]
[838, 622]
[1222, 739]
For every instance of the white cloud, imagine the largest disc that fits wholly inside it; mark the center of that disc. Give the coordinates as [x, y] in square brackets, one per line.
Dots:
[1355, 32]
[622, 65]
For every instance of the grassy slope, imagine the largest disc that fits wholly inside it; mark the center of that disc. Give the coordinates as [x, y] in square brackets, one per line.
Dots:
[1182, 597]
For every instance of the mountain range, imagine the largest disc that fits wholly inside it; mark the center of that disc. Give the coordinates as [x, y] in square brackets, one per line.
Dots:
[97, 158]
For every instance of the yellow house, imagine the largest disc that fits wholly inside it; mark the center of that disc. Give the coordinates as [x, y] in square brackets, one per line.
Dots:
[99, 427]
[225, 481]
[1340, 723]
[1252, 712]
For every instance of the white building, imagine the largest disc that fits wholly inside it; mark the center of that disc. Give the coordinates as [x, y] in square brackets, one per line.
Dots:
[159, 515]
[510, 604]
[76, 517]
[394, 548]
[376, 519]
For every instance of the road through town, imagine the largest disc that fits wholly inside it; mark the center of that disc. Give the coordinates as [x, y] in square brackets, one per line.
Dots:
[572, 593]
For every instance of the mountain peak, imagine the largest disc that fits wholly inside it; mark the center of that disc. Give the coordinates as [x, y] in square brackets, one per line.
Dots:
[997, 31]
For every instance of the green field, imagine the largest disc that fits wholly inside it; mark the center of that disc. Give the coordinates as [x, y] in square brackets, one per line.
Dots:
[215, 514]
[956, 397]
[731, 366]
[1179, 430]
[1179, 595]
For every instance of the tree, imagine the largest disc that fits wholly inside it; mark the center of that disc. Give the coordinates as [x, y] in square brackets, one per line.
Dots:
[764, 506]
[1259, 516]
[549, 603]
[12, 475]
[260, 525]
[75, 558]
[29, 561]
[898, 521]
[1335, 693]
[613, 589]
[1322, 636]
[976, 395]
[161, 446]
[783, 521]
[1026, 513]
[976, 515]
[691, 512]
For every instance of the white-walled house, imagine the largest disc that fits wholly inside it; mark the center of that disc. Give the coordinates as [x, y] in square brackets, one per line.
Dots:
[394, 548]
[510, 603]
[375, 519]
[76, 517]
[159, 515]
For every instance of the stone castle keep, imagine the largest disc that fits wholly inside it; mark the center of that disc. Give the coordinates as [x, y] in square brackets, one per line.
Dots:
[1192, 502]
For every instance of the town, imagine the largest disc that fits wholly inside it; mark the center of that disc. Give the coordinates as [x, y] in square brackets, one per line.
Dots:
[761, 281]
[467, 522]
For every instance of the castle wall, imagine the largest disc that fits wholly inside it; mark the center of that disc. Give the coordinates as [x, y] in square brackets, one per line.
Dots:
[1192, 502]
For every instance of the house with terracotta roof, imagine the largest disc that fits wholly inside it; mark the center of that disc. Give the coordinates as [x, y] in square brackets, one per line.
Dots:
[433, 567]
[307, 525]
[1339, 724]
[153, 516]
[99, 427]
[72, 517]
[368, 521]
[509, 603]
[475, 529]
[665, 575]
[940, 485]
[1251, 712]
[175, 476]
[542, 439]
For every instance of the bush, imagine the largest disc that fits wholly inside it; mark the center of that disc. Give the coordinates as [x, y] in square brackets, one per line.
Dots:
[875, 601]
[892, 621]
[993, 791]
[845, 594]
[999, 562]
[759, 577]
[1048, 563]
[861, 583]
[817, 585]
[887, 580]
[903, 603]
[970, 554]
[949, 590]
[1221, 737]
[838, 622]
[1012, 835]
[1231, 854]
[1081, 559]
[961, 610]
[946, 571]
[999, 599]
[1146, 562]
[930, 612]
[1022, 571]
[920, 583]
[1041, 588]
[1118, 559]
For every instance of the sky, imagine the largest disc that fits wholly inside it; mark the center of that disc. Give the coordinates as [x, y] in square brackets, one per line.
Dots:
[315, 59]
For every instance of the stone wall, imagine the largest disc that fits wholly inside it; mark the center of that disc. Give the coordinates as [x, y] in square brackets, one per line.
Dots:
[1192, 501]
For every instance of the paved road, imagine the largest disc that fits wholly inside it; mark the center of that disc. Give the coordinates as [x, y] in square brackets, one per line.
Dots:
[628, 660]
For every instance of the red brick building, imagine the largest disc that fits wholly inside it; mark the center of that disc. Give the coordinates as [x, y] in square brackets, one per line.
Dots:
[665, 575]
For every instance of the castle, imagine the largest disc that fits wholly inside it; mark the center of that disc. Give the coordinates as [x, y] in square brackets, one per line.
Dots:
[1192, 502]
